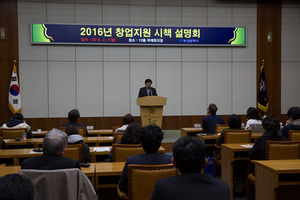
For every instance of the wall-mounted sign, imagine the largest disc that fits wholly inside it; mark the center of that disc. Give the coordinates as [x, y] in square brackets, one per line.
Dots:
[75, 34]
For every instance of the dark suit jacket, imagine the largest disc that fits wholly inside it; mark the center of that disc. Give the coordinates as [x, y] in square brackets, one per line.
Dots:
[143, 92]
[190, 186]
[142, 159]
[49, 162]
[209, 123]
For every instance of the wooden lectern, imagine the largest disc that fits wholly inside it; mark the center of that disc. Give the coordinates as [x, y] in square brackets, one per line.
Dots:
[151, 109]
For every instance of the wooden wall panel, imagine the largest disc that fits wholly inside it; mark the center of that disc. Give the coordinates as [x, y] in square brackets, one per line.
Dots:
[8, 52]
[269, 20]
[169, 122]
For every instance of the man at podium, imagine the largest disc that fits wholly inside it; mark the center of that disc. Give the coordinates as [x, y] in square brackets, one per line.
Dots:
[147, 90]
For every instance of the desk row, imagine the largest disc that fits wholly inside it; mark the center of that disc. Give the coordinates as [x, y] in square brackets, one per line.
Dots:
[17, 154]
[37, 142]
[267, 178]
[92, 132]
[93, 172]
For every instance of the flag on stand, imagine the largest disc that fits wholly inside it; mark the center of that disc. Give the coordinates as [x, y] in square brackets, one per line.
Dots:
[14, 96]
[262, 102]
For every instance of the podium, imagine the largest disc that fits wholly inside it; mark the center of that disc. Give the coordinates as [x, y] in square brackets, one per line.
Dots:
[151, 109]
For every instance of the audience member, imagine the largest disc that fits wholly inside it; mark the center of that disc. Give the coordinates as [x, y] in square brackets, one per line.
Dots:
[150, 137]
[234, 123]
[17, 121]
[16, 187]
[272, 127]
[189, 159]
[54, 144]
[293, 123]
[209, 122]
[127, 119]
[130, 136]
[252, 117]
[73, 117]
[74, 137]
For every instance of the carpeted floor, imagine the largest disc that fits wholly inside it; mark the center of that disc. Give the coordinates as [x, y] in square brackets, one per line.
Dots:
[171, 135]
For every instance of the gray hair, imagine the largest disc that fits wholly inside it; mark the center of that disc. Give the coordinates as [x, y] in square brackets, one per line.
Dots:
[55, 142]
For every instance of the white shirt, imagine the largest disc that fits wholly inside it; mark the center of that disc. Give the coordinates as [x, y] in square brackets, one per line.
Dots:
[252, 121]
[122, 129]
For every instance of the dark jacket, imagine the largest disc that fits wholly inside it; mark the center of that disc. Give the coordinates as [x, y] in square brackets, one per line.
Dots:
[209, 123]
[49, 162]
[191, 187]
[258, 152]
[285, 130]
[143, 92]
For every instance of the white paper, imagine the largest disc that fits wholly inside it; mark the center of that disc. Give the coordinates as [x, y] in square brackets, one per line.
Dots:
[249, 146]
[101, 149]
[33, 152]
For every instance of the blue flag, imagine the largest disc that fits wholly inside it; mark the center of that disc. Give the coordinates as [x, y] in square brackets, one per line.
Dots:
[262, 102]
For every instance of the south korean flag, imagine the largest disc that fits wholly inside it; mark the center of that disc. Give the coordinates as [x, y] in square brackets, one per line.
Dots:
[14, 96]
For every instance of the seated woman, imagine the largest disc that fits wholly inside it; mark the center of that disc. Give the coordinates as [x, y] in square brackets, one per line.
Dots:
[272, 126]
[234, 123]
[252, 117]
[126, 121]
[74, 137]
[130, 136]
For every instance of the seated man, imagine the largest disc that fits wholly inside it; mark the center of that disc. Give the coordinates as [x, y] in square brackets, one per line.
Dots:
[54, 144]
[209, 122]
[73, 117]
[147, 90]
[18, 122]
[150, 137]
[293, 123]
[189, 159]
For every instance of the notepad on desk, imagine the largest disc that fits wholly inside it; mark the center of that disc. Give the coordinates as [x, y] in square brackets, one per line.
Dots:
[101, 149]
[35, 152]
[249, 146]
